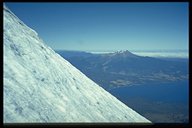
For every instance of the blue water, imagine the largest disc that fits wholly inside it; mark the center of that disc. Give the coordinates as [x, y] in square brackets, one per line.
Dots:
[175, 92]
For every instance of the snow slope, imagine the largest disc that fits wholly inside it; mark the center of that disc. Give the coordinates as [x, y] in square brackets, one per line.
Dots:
[40, 86]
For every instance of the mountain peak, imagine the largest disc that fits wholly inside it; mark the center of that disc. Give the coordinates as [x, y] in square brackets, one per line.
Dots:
[124, 53]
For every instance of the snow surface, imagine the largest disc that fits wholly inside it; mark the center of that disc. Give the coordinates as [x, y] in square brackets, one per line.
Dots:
[41, 86]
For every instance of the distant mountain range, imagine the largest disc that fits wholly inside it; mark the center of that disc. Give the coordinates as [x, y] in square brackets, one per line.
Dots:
[123, 68]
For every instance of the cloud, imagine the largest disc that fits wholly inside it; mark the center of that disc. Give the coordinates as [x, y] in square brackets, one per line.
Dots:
[181, 54]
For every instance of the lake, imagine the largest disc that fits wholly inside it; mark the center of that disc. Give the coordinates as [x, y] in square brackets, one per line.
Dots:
[177, 92]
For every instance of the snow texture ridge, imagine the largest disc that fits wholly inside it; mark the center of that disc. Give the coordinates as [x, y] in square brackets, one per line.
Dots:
[41, 86]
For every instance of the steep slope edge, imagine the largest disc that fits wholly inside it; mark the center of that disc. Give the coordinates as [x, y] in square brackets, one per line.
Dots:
[40, 86]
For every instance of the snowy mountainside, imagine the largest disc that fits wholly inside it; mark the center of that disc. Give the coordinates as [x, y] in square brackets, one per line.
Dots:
[41, 86]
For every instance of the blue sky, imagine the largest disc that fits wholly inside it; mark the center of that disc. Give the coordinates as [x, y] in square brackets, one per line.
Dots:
[108, 26]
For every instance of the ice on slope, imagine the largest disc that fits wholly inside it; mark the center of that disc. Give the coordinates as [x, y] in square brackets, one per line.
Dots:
[41, 86]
